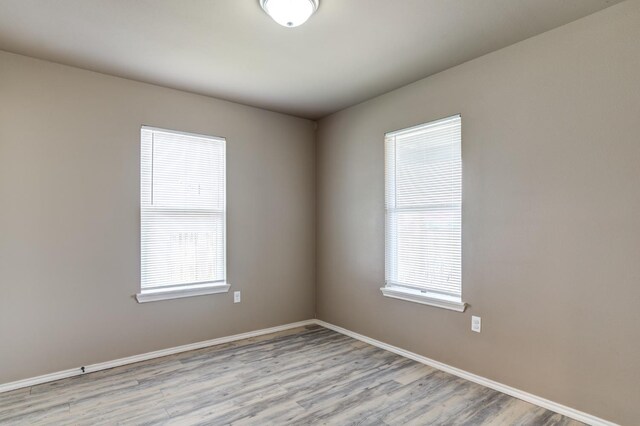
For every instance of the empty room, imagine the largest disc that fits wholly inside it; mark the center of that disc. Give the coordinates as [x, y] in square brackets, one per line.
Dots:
[320, 212]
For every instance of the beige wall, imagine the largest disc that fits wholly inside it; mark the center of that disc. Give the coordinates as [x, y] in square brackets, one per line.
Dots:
[69, 218]
[551, 216]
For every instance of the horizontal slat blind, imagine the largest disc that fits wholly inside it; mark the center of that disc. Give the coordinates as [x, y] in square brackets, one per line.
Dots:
[182, 209]
[423, 176]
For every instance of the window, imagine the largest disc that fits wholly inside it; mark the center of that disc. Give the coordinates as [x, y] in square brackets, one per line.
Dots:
[423, 206]
[182, 215]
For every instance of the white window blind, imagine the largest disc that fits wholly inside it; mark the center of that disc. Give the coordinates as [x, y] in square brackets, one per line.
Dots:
[182, 210]
[423, 173]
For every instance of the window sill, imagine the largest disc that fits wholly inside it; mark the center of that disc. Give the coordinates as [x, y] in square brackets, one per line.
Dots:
[182, 291]
[431, 299]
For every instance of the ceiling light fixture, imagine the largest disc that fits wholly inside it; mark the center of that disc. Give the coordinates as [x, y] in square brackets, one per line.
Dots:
[290, 13]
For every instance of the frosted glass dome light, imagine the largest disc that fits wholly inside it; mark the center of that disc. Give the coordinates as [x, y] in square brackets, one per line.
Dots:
[290, 13]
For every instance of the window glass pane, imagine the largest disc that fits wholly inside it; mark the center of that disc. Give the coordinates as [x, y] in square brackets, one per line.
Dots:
[182, 248]
[187, 172]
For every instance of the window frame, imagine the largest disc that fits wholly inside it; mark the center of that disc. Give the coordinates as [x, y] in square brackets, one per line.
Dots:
[406, 292]
[190, 289]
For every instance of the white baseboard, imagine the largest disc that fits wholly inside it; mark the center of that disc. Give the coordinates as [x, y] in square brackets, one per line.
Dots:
[516, 393]
[6, 387]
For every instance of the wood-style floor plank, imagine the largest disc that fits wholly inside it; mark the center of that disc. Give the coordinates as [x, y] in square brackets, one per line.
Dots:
[303, 376]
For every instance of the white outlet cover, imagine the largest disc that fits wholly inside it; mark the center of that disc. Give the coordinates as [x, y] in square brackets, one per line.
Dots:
[236, 297]
[476, 324]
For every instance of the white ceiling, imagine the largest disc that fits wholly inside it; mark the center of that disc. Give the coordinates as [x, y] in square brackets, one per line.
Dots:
[349, 51]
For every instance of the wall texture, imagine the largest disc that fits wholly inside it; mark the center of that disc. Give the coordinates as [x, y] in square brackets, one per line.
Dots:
[551, 216]
[69, 218]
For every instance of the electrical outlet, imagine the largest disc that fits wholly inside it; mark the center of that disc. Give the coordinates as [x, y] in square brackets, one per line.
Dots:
[476, 324]
[236, 297]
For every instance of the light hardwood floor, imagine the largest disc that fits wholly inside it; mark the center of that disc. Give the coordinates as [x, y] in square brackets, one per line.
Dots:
[303, 376]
